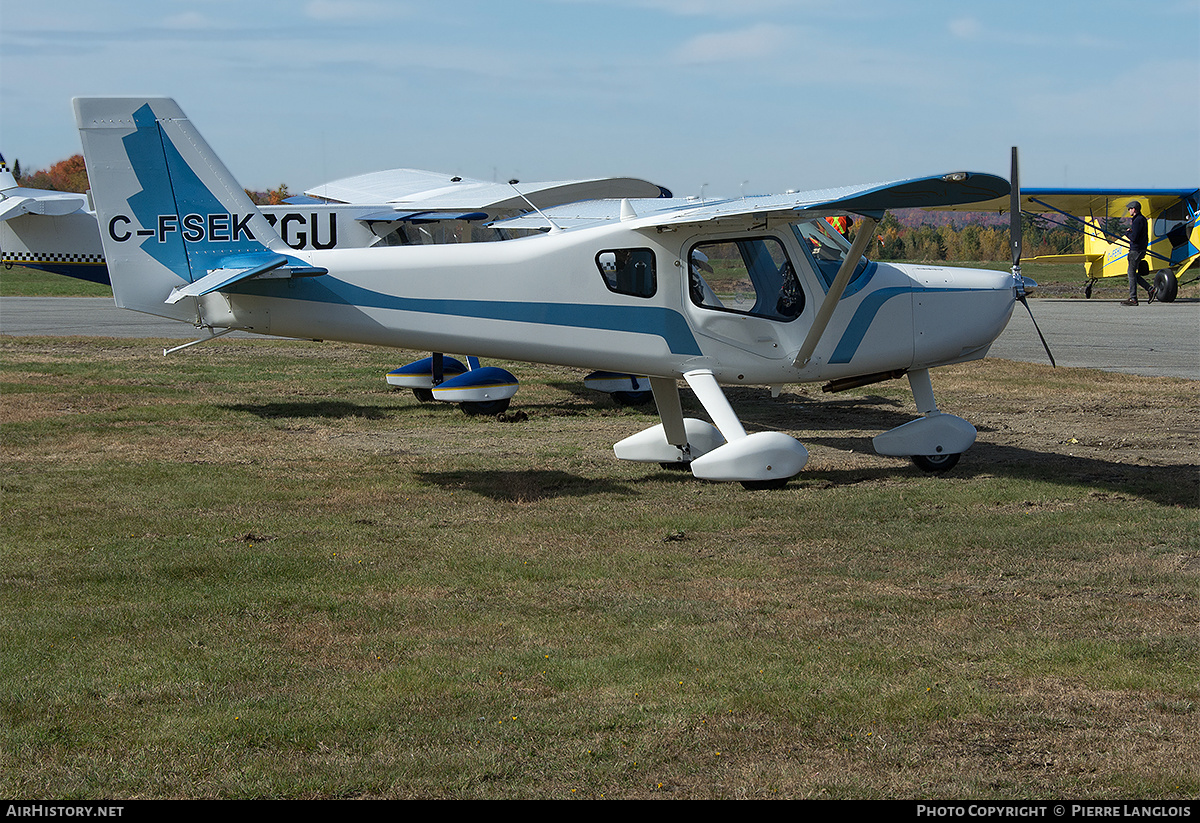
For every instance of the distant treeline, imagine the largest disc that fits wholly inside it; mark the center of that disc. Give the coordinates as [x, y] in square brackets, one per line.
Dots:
[71, 175]
[65, 175]
[907, 236]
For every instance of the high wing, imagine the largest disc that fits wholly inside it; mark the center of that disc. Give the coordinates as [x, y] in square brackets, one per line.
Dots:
[868, 201]
[18, 201]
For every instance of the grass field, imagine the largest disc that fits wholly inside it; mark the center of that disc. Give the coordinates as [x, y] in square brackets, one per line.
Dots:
[251, 570]
[22, 282]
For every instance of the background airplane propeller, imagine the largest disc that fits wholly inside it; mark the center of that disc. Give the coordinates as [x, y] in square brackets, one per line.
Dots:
[1014, 236]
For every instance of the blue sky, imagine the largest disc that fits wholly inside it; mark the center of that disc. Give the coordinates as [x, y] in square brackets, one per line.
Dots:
[751, 96]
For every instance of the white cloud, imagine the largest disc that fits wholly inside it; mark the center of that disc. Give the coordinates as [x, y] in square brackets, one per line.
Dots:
[966, 28]
[188, 20]
[754, 43]
[356, 11]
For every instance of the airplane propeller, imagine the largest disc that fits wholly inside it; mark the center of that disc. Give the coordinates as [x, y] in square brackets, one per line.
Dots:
[1014, 235]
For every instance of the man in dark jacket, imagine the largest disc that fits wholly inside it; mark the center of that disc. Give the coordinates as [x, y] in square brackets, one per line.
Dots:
[1139, 239]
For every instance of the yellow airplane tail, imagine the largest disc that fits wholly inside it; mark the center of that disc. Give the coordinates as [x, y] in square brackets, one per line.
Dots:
[1097, 251]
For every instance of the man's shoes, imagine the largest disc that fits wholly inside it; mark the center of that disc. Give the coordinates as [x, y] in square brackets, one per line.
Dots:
[1130, 302]
[1150, 298]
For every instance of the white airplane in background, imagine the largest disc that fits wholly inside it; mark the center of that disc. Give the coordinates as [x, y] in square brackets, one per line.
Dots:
[48, 214]
[394, 207]
[57, 232]
[751, 291]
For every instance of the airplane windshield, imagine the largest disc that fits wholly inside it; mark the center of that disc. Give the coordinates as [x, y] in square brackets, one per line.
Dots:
[826, 248]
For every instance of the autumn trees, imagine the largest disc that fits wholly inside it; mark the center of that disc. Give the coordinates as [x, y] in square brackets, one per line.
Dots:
[71, 175]
[65, 175]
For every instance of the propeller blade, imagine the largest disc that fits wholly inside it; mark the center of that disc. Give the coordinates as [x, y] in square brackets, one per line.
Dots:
[1045, 345]
[1014, 237]
[1014, 211]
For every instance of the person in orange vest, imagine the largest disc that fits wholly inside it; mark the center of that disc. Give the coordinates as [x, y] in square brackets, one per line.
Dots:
[841, 223]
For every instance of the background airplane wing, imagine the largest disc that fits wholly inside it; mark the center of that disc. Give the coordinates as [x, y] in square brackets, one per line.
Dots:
[1082, 202]
[15, 200]
[868, 200]
[414, 190]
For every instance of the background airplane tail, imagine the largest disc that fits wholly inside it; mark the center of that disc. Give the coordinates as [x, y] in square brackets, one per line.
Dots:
[1098, 250]
[169, 211]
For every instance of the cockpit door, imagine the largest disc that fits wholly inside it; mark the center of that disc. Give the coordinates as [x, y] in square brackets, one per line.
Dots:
[743, 291]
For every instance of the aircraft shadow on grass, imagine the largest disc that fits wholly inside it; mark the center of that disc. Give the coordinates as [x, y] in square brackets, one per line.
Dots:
[828, 423]
[527, 485]
[321, 408]
[1172, 485]
[1164, 486]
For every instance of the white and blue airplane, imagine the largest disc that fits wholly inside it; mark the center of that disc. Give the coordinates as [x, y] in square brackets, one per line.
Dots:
[748, 291]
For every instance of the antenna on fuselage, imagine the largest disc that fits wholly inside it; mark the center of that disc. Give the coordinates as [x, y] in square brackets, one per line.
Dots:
[553, 226]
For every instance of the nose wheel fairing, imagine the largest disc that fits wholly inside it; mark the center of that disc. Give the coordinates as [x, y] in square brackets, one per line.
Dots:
[936, 437]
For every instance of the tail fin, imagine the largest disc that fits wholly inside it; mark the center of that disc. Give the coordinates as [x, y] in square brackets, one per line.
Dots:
[1103, 257]
[173, 221]
[7, 180]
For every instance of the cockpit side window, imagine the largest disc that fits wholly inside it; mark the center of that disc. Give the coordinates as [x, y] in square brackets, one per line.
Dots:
[751, 276]
[826, 248]
[629, 271]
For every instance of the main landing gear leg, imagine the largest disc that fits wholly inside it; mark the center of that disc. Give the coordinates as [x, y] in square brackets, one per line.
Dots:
[936, 440]
[722, 452]
[763, 460]
[677, 440]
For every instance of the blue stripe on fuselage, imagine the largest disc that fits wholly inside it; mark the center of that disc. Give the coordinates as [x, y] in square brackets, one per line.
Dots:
[864, 317]
[665, 323]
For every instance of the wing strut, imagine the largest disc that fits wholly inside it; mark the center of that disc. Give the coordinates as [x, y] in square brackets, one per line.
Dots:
[866, 233]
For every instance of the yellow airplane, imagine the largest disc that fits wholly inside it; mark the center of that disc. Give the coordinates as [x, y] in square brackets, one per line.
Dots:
[1171, 214]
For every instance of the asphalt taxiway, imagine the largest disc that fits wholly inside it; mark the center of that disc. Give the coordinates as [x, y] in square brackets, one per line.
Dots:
[1154, 339]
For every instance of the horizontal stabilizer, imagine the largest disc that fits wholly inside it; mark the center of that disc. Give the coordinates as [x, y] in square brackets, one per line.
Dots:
[1067, 258]
[238, 268]
[23, 201]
